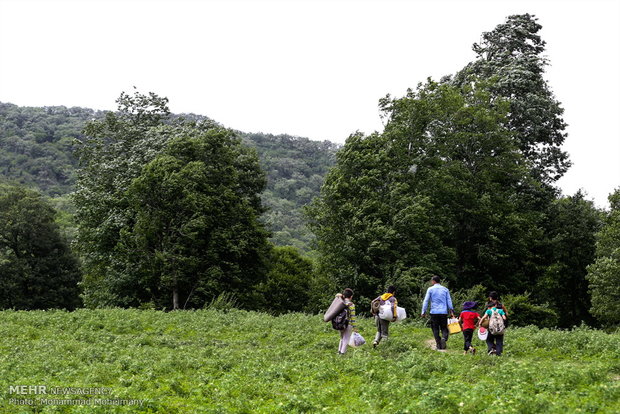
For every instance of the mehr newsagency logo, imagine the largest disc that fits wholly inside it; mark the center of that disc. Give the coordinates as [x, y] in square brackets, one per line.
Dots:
[47, 395]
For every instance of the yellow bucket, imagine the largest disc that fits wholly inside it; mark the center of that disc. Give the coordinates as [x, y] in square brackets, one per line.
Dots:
[454, 326]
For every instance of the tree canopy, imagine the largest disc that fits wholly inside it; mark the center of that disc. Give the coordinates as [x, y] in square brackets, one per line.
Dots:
[570, 227]
[460, 183]
[37, 269]
[435, 193]
[167, 212]
[511, 56]
[604, 273]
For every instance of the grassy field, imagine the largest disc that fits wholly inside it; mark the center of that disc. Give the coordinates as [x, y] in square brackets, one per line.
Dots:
[244, 362]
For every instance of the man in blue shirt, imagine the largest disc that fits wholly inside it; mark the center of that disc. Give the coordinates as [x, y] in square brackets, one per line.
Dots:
[441, 305]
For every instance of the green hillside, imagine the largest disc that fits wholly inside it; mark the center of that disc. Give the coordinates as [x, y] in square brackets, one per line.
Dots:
[244, 362]
[36, 146]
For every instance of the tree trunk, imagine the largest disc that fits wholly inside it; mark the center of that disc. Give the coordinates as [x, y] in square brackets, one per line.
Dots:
[175, 298]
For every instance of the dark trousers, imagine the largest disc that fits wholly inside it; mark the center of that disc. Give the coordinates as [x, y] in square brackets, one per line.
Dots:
[439, 324]
[468, 334]
[497, 342]
[382, 328]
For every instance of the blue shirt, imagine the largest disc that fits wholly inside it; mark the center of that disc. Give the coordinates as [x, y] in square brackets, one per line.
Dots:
[441, 302]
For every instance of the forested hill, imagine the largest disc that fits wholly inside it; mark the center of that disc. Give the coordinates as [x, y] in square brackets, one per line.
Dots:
[36, 150]
[295, 170]
[36, 145]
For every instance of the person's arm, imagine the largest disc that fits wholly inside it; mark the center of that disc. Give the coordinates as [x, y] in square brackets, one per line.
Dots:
[425, 302]
[461, 320]
[449, 299]
[482, 319]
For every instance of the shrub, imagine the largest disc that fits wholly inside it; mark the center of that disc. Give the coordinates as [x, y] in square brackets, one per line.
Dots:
[523, 312]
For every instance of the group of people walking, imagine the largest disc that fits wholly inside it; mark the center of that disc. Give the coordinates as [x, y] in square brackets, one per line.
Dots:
[438, 303]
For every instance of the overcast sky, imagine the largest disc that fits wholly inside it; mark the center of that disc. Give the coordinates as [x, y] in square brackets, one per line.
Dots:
[314, 69]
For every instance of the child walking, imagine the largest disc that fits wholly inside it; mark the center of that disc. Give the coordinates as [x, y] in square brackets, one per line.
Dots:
[345, 334]
[495, 343]
[468, 319]
[382, 324]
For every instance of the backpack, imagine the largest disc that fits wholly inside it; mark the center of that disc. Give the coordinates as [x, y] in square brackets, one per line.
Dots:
[496, 324]
[341, 321]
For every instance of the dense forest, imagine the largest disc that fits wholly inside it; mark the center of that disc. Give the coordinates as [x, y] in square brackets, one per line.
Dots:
[175, 211]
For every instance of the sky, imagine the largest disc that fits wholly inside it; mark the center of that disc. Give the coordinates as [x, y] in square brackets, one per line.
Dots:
[314, 69]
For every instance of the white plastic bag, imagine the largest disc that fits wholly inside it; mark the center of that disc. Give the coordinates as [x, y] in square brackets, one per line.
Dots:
[385, 313]
[356, 340]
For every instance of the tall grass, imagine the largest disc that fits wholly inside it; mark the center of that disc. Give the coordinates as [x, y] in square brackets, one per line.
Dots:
[214, 361]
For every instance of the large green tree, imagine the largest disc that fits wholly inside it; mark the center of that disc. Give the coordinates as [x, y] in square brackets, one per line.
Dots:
[288, 285]
[435, 193]
[167, 210]
[37, 269]
[604, 273]
[511, 55]
[196, 231]
[469, 167]
[570, 229]
[111, 155]
[469, 164]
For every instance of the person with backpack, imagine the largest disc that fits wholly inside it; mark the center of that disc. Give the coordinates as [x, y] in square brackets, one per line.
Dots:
[383, 325]
[468, 319]
[497, 326]
[441, 305]
[494, 297]
[345, 320]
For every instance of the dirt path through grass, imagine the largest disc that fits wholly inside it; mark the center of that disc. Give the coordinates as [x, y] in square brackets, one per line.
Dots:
[432, 345]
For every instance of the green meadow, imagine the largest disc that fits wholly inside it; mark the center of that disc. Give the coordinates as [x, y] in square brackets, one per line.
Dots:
[212, 361]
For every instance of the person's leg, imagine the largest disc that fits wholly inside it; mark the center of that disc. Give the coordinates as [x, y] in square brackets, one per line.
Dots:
[378, 334]
[344, 341]
[443, 324]
[490, 342]
[499, 344]
[472, 348]
[435, 328]
[465, 345]
[468, 335]
[385, 327]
